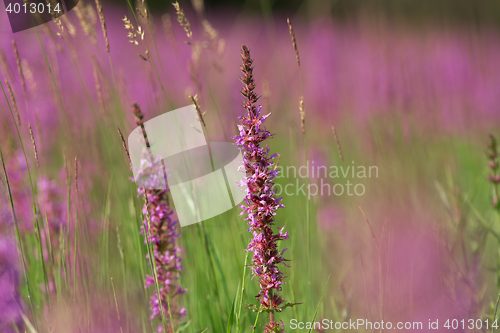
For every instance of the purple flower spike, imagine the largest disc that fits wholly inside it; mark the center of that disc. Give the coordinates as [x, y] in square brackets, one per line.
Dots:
[161, 232]
[261, 202]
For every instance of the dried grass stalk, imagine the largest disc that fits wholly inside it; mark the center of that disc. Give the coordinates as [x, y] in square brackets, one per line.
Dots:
[182, 19]
[198, 109]
[34, 146]
[338, 144]
[302, 114]
[103, 23]
[14, 104]
[19, 67]
[294, 41]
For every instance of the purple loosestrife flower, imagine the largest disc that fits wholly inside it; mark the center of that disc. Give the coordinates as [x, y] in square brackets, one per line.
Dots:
[161, 232]
[260, 198]
[53, 208]
[10, 302]
[52, 204]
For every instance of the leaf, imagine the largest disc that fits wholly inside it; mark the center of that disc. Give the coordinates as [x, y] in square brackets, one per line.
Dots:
[317, 307]
[287, 305]
[231, 314]
[242, 292]
[28, 324]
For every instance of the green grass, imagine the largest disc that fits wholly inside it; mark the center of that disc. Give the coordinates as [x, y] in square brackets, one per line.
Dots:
[218, 282]
[95, 274]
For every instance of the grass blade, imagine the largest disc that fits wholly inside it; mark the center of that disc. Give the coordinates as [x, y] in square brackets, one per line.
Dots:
[231, 313]
[319, 303]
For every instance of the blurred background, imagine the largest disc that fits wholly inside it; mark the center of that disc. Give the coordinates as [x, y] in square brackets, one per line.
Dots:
[411, 87]
[459, 13]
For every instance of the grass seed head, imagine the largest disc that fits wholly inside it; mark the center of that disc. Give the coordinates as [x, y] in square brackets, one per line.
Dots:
[103, 23]
[28, 74]
[198, 6]
[19, 67]
[34, 146]
[70, 27]
[302, 113]
[338, 144]
[198, 109]
[5, 66]
[169, 30]
[183, 21]
[211, 33]
[124, 145]
[13, 103]
[294, 41]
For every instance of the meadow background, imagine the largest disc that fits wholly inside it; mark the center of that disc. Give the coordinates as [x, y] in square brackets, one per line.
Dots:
[412, 89]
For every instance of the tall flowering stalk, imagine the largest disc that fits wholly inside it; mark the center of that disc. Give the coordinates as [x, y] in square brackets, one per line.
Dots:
[260, 198]
[160, 228]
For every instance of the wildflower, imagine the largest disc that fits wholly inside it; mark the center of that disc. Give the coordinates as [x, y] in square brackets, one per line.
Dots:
[261, 202]
[160, 230]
